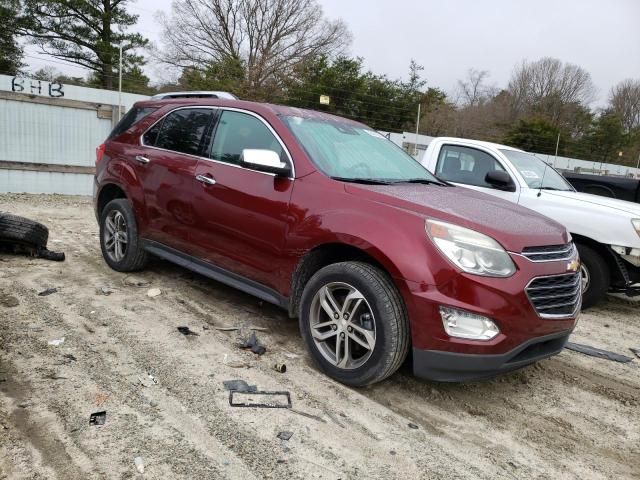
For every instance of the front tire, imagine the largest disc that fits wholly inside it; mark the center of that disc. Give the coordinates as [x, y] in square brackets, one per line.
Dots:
[354, 323]
[119, 240]
[596, 276]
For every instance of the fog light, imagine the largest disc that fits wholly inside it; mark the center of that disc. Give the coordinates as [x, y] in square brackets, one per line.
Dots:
[461, 324]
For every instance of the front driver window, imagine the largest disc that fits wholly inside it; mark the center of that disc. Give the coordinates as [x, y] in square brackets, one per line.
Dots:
[465, 165]
[237, 131]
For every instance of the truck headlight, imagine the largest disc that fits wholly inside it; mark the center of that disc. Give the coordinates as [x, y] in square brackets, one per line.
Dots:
[469, 250]
[636, 224]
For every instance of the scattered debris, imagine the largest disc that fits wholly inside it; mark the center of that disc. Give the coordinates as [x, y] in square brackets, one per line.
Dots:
[291, 356]
[69, 357]
[636, 351]
[596, 352]
[56, 342]
[227, 329]
[153, 292]
[253, 344]
[46, 292]
[98, 418]
[205, 327]
[8, 300]
[100, 398]
[187, 331]
[258, 329]
[148, 380]
[132, 281]
[308, 415]
[239, 386]
[414, 426]
[280, 367]
[270, 396]
[139, 464]
[54, 376]
[234, 363]
[333, 417]
[285, 435]
[104, 290]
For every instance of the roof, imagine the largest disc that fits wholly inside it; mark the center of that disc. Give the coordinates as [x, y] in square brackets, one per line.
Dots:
[480, 143]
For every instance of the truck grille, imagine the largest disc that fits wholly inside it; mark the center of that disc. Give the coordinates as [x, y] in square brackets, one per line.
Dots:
[557, 295]
[549, 253]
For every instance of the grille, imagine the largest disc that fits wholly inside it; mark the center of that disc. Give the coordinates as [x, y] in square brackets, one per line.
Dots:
[549, 253]
[557, 295]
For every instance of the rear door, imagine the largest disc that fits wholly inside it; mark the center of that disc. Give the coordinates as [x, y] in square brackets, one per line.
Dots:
[166, 165]
[241, 214]
[468, 167]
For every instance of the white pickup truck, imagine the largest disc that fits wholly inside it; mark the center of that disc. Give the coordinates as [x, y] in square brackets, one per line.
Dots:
[605, 230]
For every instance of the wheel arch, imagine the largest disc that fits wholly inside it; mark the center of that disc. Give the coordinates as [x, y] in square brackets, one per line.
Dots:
[108, 192]
[605, 252]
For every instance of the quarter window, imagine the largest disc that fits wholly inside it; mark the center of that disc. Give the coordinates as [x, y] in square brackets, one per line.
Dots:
[181, 131]
[238, 131]
[465, 165]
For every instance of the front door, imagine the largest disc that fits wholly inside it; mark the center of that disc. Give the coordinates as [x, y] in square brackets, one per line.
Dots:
[241, 214]
[468, 167]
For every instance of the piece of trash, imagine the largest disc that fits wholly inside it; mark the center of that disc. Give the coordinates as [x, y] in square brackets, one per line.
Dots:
[69, 357]
[56, 342]
[259, 329]
[291, 356]
[253, 344]
[98, 418]
[8, 300]
[308, 415]
[234, 363]
[280, 367]
[139, 464]
[187, 331]
[100, 398]
[205, 327]
[285, 435]
[148, 380]
[335, 419]
[414, 426]
[239, 386]
[227, 329]
[278, 399]
[636, 351]
[153, 292]
[104, 290]
[596, 352]
[132, 281]
[46, 292]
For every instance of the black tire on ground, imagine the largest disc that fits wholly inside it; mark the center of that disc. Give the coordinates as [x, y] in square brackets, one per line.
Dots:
[599, 275]
[20, 230]
[391, 322]
[135, 257]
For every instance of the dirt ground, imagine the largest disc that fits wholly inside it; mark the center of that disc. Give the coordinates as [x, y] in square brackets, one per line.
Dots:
[571, 416]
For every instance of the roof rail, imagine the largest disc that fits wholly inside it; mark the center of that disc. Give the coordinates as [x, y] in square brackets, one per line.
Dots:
[198, 94]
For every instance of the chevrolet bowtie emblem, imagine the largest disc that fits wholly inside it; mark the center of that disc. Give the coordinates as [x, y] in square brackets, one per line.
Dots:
[573, 266]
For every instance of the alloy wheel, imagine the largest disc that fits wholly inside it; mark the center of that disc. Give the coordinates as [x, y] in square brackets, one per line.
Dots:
[586, 278]
[343, 326]
[115, 235]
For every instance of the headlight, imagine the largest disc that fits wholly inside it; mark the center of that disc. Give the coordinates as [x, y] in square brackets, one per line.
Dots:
[471, 251]
[636, 224]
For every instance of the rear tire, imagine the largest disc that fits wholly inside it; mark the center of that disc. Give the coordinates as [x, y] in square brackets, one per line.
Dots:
[380, 320]
[595, 273]
[118, 227]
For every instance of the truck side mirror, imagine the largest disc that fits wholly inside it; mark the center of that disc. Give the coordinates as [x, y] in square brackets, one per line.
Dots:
[500, 180]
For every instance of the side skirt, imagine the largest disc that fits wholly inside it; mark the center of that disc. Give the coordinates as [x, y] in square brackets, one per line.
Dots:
[216, 273]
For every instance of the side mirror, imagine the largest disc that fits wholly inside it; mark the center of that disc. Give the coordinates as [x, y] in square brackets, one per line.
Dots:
[265, 161]
[500, 180]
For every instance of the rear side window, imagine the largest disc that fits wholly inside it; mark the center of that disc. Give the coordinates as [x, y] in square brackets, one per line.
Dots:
[181, 131]
[132, 117]
[465, 165]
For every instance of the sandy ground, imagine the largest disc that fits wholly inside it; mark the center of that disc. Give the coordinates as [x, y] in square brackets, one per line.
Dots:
[571, 416]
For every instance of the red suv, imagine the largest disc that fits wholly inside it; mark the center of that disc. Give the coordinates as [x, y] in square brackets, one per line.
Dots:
[328, 219]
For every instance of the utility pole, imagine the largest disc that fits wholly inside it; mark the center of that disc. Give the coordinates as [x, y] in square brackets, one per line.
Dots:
[415, 149]
[120, 85]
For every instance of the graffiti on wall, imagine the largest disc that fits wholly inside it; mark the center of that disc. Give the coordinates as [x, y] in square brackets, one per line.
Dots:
[37, 87]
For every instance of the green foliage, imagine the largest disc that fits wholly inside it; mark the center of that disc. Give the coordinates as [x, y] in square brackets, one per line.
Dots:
[227, 76]
[605, 139]
[535, 135]
[87, 33]
[10, 51]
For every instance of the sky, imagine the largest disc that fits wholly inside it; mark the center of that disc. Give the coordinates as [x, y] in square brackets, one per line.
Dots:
[448, 37]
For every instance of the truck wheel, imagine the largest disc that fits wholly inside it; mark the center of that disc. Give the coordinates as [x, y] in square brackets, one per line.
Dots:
[354, 323]
[596, 276]
[119, 239]
[20, 230]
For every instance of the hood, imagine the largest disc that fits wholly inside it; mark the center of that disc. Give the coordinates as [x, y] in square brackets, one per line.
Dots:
[587, 200]
[513, 226]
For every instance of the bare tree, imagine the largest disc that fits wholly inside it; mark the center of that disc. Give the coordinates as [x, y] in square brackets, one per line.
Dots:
[548, 86]
[624, 100]
[473, 90]
[267, 37]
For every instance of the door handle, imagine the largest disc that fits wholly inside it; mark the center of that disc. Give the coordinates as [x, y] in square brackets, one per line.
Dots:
[141, 159]
[206, 179]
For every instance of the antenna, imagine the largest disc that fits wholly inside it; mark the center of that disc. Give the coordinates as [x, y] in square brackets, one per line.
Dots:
[544, 172]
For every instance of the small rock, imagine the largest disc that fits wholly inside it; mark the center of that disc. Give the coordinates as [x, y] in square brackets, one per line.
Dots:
[414, 426]
[392, 452]
[8, 300]
[46, 292]
[153, 292]
[153, 404]
[56, 342]
[139, 464]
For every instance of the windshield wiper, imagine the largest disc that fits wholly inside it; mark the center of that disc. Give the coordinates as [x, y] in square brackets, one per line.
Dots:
[552, 188]
[424, 181]
[365, 181]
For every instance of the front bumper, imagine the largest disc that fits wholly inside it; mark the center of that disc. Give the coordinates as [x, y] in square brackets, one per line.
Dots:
[459, 367]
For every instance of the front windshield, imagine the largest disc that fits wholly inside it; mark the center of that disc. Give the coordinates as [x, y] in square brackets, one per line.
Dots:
[533, 170]
[350, 152]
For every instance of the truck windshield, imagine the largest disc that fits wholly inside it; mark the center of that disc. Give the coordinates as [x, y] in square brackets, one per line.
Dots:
[350, 152]
[533, 170]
